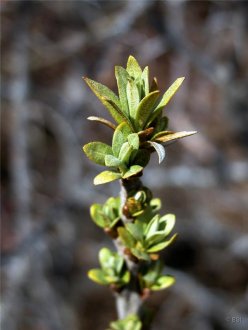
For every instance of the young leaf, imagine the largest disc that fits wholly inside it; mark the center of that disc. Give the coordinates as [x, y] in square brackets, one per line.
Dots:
[104, 93]
[133, 140]
[133, 67]
[168, 136]
[97, 217]
[106, 176]
[145, 78]
[112, 161]
[136, 230]
[126, 237]
[125, 152]
[163, 282]
[102, 121]
[106, 258]
[145, 109]
[133, 98]
[159, 149]
[169, 223]
[169, 93]
[120, 137]
[96, 152]
[161, 246]
[97, 275]
[134, 169]
[122, 77]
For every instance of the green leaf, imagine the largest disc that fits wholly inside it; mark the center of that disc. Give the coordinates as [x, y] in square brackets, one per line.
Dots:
[159, 149]
[98, 276]
[106, 258]
[136, 230]
[133, 67]
[140, 254]
[95, 213]
[169, 93]
[126, 237]
[152, 226]
[125, 152]
[104, 93]
[115, 111]
[133, 140]
[169, 223]
[145, 109]
[120, 136]
[134, 169]
[112, 161]
[133, 99]
[145, 78]
[161, 246]
[106, 176]
[102, 121]
[96, 152]
[122, 77]
[168, 136]
[163, 282]
[161, 125]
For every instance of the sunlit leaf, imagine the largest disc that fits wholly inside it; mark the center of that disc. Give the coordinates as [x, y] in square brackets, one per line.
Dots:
[104, 93]
[106, 176]
[133, 99]
[97, 275]
[102, 121]
[134, 169]
[96, 151]
[112, 161]
[145, 109]
[120, 136]
[168, 136]
[163, 282]
[122, 77]
[169, 93]
[159, 149]
[162, 245]
[133, 140]
[133, 67]
[145, 78]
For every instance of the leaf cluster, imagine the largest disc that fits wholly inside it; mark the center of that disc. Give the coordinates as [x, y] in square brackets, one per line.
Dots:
[139, 128]
[113, 270]
[131, 322]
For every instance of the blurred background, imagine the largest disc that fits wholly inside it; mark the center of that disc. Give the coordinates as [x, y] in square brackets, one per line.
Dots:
[48, 241]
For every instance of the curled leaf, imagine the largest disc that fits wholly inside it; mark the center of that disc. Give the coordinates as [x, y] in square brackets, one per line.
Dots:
[102, 121]
[159, 149]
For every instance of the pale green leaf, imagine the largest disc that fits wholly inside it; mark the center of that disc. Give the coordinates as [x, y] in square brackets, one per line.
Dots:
[136, 230]
[133, 99]
[96, 151]
[145, 78]
[133, 67]
[161, 246]
[106, 258]
[96, 215]
[170, 220]
[163, 282]
[97, 275]
[127, 239]
[112, 161]
[104, 93]
[159, 149]
[145, 109]
[125, 152]
[169, 93]
[106, 176]
[134, 169]
[122, 77]
[120, 136]
[133, 140]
